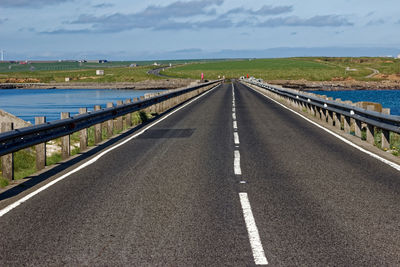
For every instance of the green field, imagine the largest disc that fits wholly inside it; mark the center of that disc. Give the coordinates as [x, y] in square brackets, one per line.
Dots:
[311, 69]
[112, 74]
[6, 67]
[118, 71]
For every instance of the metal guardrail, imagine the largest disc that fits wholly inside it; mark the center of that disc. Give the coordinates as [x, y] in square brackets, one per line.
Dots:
[18, 139]
[379, 120]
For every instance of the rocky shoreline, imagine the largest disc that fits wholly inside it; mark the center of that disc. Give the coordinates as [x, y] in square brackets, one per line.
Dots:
[348, 85]
[143, 85]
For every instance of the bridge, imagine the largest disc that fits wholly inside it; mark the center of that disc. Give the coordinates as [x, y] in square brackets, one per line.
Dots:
[230, 176]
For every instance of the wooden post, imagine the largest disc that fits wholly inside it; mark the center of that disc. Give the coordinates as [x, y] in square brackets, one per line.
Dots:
[386, 111]
[83, 133]
[65, 140]
[323, 114]
[97, 129]
[7, 161]
[129, 115]
[336, 118]
[120, 119]
[40, 148]
[385, 139]
[357, 128]
[370, 134]
[330, 117]
[313, 110]
[110, 123]
[346, 121]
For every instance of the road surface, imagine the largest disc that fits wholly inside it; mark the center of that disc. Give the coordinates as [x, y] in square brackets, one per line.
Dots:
[232, 179]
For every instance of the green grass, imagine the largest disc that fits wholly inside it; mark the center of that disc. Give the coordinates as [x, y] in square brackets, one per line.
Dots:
[24, 165]
[115, 74]
[312, 69]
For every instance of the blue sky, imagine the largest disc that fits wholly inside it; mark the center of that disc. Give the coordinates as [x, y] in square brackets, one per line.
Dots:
[169, 29]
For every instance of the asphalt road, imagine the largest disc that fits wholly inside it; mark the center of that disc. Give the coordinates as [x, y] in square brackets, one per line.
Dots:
[174, 196]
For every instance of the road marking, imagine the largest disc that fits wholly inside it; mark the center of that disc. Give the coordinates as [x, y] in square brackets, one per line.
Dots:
[254, 237]
[236, 163]
[234, 116]
[236, 138]
[233, 109]
[235, 125]
[388, 162]
[242, 182]
[93, 160]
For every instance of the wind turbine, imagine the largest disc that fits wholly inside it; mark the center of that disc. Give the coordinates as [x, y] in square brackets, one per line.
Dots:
[2, 54]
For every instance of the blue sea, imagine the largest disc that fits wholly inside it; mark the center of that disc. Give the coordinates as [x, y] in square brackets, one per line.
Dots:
[28, 104]
[388, 98]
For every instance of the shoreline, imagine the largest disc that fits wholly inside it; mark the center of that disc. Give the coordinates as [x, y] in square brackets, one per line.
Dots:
[143, 85]
[347, 85]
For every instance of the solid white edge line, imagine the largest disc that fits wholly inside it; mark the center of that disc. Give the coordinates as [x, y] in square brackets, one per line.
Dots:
[388, 162]
[252, 230]
[236, 138]
[236, 163]
[22, 200]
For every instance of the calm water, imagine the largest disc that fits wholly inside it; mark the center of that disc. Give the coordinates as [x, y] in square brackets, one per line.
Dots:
[388, 98]
[28, 104]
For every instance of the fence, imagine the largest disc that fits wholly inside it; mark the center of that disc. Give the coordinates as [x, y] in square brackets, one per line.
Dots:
[341, 115]
[112, 117]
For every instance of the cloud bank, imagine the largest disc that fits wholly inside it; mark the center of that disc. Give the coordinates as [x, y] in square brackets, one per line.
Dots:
[195, 15]
[30, 3]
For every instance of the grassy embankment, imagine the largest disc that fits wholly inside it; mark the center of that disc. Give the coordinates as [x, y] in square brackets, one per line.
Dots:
[25, 160]
[311, 69]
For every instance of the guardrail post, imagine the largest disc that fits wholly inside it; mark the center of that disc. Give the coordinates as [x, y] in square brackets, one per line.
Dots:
[336, 118]
[323, 114]
[120, 120]
[110, 123]
[148, 109]
[83, 143]
[385, 139]
[370, 134]
[65, 140]
[329, 115]
[357, 128]
[157, 106]
[40, 148]
[7, 161]
[313, 110]
[97, 129]
[347, 122]
[129, 115]
[386, 111]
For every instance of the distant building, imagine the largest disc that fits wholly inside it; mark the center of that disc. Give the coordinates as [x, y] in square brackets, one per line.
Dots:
[156, 64]
[67, 79]
[97, 61]
[398, 56]
[133, 65]
[100, 72]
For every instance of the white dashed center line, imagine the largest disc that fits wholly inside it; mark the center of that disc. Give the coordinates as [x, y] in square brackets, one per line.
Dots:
[252, 230]
[236, 163]
[254, 237]
[236, 138]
